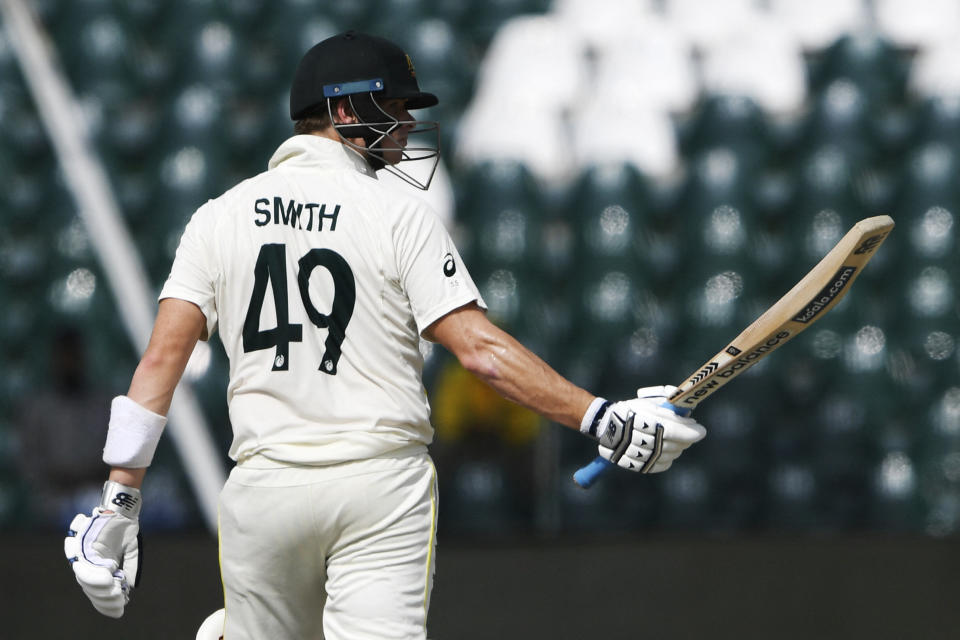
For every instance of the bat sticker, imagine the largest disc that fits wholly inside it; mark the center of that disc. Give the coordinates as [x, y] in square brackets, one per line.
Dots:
[704, 372]
[827, 294]
[870, 243]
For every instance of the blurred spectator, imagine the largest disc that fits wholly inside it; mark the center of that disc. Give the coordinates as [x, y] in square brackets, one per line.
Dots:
[484, 447]
[466, 409]
[61, 430]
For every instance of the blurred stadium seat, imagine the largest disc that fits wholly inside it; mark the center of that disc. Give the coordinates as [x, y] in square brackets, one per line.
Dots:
[529, 77]
[717, 176]
[599, 136]
[444, 68]
[928, 179]
[731, 121]
[608, 207]
[841, 117]
[917, 24]
[759, 60]
[829, 180]
[868, 60]
[818, 23]
[706, 25]
[488, 188]
[599, 28]
[642, 61]
[937, 119]
[933, 74]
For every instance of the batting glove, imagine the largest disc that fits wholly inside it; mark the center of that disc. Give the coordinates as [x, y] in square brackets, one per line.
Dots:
[104, 549]
[640, 434]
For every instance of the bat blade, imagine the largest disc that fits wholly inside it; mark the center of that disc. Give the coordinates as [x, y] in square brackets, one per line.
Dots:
[812, 297]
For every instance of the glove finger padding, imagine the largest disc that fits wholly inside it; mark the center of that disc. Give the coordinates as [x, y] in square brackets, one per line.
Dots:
[104, 590]
[656, 448]
[641, 451]
[661, 392]
[672, 449]
[661, 466]
[668, 451]
[641, 435]
[103, 551]
[132, 560]
[684, 430]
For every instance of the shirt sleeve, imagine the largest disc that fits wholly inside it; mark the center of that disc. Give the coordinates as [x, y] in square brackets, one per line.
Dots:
[193, 274]
[431, 270]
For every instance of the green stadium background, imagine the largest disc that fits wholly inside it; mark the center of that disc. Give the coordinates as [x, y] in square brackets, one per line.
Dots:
[847, 438]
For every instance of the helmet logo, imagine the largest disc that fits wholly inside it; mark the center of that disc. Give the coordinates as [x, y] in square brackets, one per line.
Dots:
[413, 72]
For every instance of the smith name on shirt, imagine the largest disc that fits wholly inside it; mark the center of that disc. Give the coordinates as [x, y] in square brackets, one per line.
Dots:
[298, 215]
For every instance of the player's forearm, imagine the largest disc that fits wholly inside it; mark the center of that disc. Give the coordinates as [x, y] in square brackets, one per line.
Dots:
[155, 380]
[521, 376]
[152, 388]
[175, 334]
[129, 477]
[176, 330]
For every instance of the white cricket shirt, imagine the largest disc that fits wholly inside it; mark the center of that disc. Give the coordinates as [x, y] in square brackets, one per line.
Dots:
[320, 280]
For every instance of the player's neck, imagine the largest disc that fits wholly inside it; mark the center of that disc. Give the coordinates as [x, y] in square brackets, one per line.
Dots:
[332, 134]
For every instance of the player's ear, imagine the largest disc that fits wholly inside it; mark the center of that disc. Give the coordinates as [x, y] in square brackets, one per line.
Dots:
[343, 112]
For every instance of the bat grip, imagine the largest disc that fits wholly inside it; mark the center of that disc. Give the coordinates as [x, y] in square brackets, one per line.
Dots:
[591, 472]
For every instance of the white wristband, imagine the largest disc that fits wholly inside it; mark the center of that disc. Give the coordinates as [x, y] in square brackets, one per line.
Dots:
[591, 419]
[133, 434]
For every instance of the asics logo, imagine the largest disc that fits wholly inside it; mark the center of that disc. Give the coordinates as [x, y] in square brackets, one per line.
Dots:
[449, 265]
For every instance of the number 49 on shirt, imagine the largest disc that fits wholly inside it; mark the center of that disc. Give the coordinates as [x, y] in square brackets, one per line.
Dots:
[272, 267]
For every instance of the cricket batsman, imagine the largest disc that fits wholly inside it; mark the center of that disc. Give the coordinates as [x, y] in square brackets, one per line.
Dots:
[321, 282]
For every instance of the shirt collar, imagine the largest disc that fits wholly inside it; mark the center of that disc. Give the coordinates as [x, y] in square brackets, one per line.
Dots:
[316, 152]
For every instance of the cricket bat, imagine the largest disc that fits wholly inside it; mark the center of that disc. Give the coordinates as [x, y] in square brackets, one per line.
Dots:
[822, 288]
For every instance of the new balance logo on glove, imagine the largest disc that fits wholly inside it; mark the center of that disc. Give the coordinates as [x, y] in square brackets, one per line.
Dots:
[125, 500]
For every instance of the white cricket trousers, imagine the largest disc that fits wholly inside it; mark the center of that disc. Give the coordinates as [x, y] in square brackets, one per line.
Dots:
[343, 552]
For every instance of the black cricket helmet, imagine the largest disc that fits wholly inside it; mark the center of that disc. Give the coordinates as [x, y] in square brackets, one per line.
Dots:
[366, 71]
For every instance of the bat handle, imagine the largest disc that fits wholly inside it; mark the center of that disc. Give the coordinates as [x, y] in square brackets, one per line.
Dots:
[591, 472]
